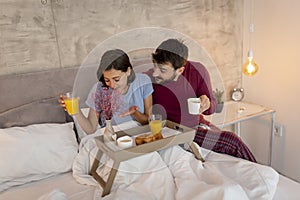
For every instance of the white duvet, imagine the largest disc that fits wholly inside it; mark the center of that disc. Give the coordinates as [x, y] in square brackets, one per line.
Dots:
[174, 173]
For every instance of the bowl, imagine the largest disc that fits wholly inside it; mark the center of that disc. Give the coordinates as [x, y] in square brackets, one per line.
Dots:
[125, 142]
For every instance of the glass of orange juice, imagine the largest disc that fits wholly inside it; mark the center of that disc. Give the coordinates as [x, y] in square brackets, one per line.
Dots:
[155, 123]
[72, 103]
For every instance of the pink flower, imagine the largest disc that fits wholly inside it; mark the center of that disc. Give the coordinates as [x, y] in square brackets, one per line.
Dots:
[107, 101]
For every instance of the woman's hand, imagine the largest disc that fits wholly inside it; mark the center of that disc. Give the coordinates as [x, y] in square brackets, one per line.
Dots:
[61, 101]
[129, 111]
[142, 118]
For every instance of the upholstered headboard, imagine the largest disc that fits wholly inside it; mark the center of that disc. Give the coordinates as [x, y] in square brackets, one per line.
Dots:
[32, 97]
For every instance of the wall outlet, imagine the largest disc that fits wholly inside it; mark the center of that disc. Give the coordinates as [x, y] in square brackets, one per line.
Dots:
[278, 130]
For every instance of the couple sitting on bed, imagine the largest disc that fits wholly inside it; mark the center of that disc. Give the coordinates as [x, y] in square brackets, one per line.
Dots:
[173, 80]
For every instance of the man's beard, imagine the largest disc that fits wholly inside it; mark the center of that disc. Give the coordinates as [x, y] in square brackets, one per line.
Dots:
[171, 79]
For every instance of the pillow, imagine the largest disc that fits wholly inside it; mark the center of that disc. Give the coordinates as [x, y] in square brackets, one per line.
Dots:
[35, 152]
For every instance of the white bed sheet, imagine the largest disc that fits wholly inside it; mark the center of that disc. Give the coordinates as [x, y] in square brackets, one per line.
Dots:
[286, 189]
[65, 183]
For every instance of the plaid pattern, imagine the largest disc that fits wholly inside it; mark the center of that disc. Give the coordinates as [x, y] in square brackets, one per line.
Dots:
[221, 141]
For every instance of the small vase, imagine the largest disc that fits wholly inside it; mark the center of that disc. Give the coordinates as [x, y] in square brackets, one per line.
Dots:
[109, 131]
[220, 107]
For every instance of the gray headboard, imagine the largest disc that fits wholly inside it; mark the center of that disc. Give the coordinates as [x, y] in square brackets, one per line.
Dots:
[32, 97]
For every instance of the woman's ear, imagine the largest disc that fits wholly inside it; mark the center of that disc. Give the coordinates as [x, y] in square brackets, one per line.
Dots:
[128, 71]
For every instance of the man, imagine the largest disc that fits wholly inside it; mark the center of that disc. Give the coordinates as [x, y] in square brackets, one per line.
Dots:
[175, 79]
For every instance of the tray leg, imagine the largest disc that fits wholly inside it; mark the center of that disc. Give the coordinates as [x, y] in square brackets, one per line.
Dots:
[108, 184]
[196, 152]
[111, 178]
[94, 169]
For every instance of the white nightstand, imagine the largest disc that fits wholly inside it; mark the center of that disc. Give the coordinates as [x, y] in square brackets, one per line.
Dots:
[236, 112]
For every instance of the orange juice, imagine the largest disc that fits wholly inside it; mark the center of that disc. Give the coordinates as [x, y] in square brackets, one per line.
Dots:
[155, 126]
[72, 105]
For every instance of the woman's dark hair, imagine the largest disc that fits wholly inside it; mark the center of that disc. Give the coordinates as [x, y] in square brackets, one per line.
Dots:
[115, 59]
[173, 51]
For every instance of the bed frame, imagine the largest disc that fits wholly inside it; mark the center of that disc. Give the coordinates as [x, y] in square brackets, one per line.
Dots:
[25, 98]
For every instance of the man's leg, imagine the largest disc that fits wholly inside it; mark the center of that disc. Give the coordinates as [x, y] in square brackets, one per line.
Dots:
[223, 142]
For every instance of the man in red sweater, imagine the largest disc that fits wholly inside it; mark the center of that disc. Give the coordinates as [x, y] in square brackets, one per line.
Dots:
[175, 79]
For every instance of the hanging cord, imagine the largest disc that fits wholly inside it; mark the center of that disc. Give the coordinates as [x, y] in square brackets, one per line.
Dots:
[251, 30]
[251, 27]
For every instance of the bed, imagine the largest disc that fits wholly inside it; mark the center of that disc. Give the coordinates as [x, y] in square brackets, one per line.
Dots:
[42, 159]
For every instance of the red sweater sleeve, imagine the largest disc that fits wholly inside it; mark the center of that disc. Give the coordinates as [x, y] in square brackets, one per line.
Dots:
[208, 91]
[199, 78]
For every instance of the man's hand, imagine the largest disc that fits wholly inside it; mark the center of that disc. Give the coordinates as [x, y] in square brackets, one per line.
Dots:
[129, 111]
[205, 103]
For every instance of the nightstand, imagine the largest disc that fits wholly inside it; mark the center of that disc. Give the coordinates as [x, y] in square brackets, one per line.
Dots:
[236, 112]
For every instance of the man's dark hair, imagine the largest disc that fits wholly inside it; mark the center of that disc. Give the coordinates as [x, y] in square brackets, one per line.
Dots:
[115, 59]
[172, 51]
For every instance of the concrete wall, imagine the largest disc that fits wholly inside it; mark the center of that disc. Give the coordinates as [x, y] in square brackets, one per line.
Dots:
[61, 33]
[276, 44]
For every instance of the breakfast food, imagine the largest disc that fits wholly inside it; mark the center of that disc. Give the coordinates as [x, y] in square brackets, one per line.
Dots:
[146, 138]
[139, 140]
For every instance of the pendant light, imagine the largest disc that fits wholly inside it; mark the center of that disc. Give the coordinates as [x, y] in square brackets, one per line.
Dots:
[250, 68]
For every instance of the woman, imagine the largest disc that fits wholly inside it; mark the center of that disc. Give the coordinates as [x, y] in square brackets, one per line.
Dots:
[120, 95]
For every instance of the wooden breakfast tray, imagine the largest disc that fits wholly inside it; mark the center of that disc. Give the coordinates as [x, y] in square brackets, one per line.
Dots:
[182, 135]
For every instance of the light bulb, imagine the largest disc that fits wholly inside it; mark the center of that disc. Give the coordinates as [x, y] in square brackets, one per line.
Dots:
[250, 68]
